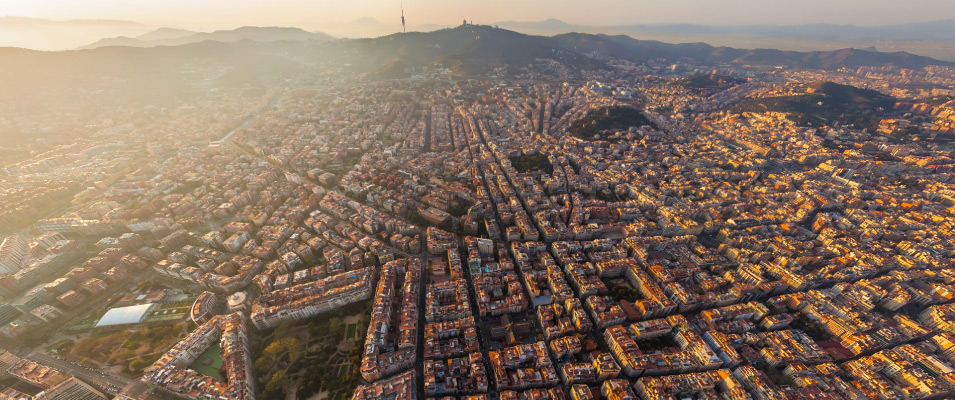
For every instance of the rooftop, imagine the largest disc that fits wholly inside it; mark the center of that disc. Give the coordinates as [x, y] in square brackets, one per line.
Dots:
[125, 315]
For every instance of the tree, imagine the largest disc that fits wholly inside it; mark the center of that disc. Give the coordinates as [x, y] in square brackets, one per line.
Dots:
[276, 383]
[138, 364]
[83, 347]
[415, 218]
[334, 324]
[261, 366]
[142, 350]
[459, 208]
[290, 346]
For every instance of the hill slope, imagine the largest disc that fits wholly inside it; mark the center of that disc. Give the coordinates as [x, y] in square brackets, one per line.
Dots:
[625, 47]
[931, 38]
[165, 34]
[607, 120]
[825, 103]
[465, 49]
[260, 53]
[147, 74]
[478, 49]
[708, 83]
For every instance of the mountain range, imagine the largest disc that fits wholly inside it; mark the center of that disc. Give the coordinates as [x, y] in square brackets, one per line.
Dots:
[177, 37]
[933, 30]
[625, 47]
[249, 56]
[931, 38]
[475, 49]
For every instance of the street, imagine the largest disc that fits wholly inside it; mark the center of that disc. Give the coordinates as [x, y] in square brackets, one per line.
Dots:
[94, 377]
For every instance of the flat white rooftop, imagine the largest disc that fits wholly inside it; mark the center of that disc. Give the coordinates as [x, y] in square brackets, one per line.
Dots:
[125, 315]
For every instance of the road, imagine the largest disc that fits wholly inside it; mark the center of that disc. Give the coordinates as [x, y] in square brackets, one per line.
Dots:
[422, 321]
[86, 374]
[249, 119]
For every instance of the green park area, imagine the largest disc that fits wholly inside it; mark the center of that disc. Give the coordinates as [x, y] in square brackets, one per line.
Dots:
[621, 289]
[133, 349]
[600, 123]
[210, 363]
[532, 162]
[88, 322]
[300, 359]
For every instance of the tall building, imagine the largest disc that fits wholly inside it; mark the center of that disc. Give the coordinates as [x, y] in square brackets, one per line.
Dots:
[207, 305]
[71, 389]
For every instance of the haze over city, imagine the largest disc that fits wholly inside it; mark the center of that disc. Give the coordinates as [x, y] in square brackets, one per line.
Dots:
[477, 200]
[920, 27]
[224, 14]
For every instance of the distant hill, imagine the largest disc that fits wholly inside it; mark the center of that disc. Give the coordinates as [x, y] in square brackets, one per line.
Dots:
[931, 38]
[825, 103]
[181, 37]
[625, 47]
[465, 50]
[252, 55]
[850, 58]
[165, 34]
[940, 29]
[473, 49]
[702, 83]
[604, 119]
[149, 75]
[477, 49]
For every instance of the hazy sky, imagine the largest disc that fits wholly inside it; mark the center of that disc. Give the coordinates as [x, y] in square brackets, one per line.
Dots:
[314, 14]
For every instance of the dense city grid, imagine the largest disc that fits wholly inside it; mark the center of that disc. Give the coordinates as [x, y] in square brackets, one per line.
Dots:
[653, 230]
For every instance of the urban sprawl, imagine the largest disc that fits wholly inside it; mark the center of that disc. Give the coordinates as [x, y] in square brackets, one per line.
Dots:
[498, 248]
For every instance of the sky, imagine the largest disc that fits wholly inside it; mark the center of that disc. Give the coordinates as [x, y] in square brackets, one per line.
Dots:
[316, 14]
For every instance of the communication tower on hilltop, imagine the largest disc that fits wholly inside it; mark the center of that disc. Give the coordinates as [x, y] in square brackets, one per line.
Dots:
[403, 30]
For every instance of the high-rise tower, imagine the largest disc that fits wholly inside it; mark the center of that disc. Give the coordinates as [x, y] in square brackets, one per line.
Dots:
[403, 30]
